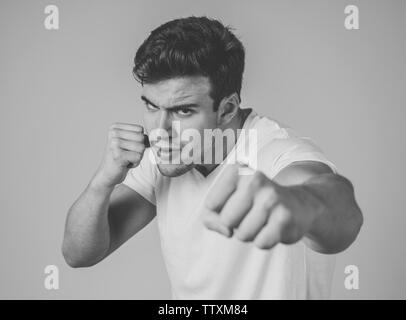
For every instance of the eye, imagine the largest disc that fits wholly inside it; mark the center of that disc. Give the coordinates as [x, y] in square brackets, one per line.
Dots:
[150, 107]
[184, 112]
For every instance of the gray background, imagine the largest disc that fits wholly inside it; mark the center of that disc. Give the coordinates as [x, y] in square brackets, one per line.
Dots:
[60, 90]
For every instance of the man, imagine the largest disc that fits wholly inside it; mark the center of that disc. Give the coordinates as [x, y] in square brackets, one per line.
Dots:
[271, 234]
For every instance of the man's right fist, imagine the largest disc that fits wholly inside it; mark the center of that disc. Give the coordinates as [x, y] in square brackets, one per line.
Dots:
[124, 150]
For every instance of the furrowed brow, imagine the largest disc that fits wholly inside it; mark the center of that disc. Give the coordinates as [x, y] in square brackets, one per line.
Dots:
[172, 108]
[183, 106]
[145, 99]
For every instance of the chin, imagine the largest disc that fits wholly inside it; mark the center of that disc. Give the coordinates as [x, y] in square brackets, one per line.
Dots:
[174, 170]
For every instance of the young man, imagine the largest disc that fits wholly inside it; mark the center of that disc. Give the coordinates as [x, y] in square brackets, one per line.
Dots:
[271, 234]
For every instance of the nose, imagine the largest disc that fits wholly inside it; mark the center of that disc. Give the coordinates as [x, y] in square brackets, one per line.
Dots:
[162, 126]
[164, 121]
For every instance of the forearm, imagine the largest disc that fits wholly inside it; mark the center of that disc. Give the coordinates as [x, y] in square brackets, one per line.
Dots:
[339, 219]
[87, 235]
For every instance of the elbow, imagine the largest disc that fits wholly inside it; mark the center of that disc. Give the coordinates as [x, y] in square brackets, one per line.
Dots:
[74, 260]
[70, 258]
[355, 221]
[353, 231]
[341, 240]
[359, 221]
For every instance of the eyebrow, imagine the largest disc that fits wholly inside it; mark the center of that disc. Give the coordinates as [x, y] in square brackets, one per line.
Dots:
[175, 107]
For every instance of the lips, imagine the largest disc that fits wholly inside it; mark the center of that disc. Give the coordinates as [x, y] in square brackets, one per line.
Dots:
[168, 150]
[165, 147]
[167, 156]
[167, 153]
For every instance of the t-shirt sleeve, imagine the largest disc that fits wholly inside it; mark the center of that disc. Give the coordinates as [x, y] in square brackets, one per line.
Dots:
[281, 152]
[142, 178]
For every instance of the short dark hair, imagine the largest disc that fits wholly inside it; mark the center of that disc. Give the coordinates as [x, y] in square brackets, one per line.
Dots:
[193, 46]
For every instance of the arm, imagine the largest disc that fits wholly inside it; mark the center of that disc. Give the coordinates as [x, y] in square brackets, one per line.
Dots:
[339, 221]
[108, 213]
[101, 220]
[304, 201]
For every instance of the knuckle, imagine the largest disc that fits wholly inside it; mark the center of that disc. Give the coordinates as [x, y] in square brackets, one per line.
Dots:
[112, 133]
[267, 205]
[271, 192]
[257, 180]
[138, 128]
[267, 199]
[243, 182]
[227, 220]
[283, 216]
[115, 142]
[243, 236]
[259, 175]
[254, 184]
[261, 244]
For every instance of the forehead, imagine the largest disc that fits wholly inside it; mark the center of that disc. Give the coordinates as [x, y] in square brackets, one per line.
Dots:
[174, 91]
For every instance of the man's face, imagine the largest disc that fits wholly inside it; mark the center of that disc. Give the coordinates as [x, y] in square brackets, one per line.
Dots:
[175, 105]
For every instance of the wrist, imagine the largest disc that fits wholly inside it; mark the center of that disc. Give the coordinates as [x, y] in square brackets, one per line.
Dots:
[97, 183]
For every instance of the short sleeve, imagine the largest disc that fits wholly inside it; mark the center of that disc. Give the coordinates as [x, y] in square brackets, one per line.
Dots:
[142, 178]
[281, 152]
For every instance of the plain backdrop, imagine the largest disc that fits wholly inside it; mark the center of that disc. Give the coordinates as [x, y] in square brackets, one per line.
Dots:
[61, 89]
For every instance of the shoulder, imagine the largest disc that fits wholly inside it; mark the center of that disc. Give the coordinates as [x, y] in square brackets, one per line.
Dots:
[272, 134]
[278, 145]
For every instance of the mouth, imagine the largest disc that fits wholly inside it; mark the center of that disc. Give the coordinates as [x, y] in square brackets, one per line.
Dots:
[168, 150]
[165, 147]
[167, 155]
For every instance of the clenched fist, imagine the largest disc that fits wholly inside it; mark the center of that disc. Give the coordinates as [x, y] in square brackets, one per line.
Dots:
[256, 209]
[125, 147]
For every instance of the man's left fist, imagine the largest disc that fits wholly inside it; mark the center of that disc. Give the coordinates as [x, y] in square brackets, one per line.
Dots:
[255, 208]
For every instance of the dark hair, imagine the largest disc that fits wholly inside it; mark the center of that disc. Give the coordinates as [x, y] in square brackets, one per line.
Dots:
[193, 46]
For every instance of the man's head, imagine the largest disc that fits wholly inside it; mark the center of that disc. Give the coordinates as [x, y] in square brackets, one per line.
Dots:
[191, 72]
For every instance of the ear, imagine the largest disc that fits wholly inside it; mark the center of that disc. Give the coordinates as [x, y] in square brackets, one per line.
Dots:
[228, 109]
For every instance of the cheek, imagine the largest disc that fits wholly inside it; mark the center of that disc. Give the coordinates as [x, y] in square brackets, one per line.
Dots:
[199, 121]
[195, 127]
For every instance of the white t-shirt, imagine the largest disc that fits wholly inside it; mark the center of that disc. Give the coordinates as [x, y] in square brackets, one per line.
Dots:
[203, 264]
